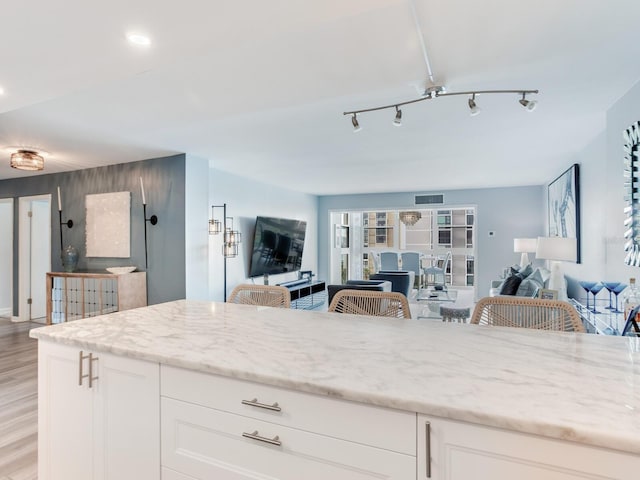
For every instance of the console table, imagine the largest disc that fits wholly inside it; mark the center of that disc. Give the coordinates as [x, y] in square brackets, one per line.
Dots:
[71, 296]
[306, 295]
[603, 322]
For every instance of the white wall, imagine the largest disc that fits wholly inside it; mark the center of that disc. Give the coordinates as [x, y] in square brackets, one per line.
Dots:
[247, 199]
[6, 256]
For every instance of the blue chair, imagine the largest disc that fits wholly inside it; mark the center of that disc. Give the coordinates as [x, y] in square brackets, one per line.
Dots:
[411, 262]
[389, 261]
[372, 285]
[401, 281]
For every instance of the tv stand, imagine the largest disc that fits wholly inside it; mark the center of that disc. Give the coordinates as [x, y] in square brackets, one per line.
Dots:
[306, 295]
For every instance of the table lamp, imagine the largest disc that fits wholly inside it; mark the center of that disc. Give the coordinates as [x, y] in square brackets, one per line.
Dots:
[525, 246]
[557, 250]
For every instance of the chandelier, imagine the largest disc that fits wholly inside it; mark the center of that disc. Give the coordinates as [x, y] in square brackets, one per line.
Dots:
[27, 160]
[410, 218]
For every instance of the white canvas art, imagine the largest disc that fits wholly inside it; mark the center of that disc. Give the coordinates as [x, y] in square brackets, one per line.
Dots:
[108, 232]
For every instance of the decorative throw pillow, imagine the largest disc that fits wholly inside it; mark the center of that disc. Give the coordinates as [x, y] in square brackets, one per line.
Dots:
[530, 285]
[526, 271]
[510, 285]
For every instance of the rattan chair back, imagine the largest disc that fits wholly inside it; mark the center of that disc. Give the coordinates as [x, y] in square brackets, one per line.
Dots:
[378, 304]
[525, 312]
[264, 295]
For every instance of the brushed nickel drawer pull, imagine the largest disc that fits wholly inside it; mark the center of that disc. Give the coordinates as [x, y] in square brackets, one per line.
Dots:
[254, 436]
[81, 375]
[428, 448]
[91, 377]
[254, 403]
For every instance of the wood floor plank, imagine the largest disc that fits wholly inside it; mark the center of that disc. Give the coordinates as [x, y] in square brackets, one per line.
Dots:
[18, 401]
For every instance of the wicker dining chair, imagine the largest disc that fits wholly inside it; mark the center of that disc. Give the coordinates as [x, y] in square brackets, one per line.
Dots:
[263, 295]
[378, 304]
[525, 312]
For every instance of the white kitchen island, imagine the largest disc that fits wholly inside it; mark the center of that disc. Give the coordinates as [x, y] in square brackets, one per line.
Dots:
[198, 390]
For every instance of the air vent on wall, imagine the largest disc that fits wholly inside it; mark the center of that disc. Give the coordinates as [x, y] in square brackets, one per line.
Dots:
[429, 199]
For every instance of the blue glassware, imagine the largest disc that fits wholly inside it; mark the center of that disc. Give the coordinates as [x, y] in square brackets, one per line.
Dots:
[587, 287]
[617, 291]
[610, 286]
[595, 290]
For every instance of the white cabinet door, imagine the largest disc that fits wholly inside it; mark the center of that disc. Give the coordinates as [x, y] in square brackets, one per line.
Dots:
[106, 432]
[460, 451]
[127, 410]
[65, 415]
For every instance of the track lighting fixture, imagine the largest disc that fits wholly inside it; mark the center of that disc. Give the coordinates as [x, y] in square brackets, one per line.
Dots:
[475, 110]
[356, 125]
[398, 120]
[437, 91]
[530, 105]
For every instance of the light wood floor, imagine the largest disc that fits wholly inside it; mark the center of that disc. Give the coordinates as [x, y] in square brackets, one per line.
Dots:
[18, 401]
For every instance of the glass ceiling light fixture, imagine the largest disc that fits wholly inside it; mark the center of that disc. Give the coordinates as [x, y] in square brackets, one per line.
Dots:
[29, 160]
[356, 125]
[398, 120]
[410, 218]
[475, 110]
[530, 105]
[434, 90]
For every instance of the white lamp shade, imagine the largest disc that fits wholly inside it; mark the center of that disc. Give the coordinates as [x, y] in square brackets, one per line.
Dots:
[525, 245]
[557, 248]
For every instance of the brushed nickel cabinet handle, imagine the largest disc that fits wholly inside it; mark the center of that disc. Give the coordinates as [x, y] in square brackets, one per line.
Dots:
[255, 403]
[91, 377]
[81, 374]
[254, 436]
[428, 448]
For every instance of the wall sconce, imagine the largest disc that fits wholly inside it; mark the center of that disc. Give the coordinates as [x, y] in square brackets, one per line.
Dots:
[153, 220]
[68, 223]
[230, 240]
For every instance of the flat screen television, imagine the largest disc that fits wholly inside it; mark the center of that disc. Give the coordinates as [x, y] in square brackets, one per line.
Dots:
[277, 246]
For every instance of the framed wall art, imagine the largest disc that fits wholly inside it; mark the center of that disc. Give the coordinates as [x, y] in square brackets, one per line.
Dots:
[564, 206]
[108, 232]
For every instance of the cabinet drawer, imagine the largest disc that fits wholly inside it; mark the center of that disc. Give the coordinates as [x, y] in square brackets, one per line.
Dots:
[370, 425]
[205, 443]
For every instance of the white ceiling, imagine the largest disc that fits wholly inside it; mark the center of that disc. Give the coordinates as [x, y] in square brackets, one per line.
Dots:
[259, 87]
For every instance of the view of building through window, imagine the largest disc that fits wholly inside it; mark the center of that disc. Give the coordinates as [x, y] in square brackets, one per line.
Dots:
[431, 232]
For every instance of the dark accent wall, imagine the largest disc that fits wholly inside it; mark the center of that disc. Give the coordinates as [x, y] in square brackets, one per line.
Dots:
[164, 183]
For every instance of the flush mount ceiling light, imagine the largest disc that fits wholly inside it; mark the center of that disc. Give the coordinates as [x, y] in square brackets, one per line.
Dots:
[434, 90]
[139, 39]
[29, 160]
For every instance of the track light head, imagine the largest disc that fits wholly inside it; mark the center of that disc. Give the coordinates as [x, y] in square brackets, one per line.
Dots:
[530, 105]
[475, 110]
[398, 120]
[356, 125]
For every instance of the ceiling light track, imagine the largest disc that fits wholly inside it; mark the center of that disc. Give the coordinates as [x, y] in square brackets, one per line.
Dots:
[437, 92]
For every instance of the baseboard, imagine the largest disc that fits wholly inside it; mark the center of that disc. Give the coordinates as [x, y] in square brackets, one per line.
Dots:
[18, 320]
[5, 312]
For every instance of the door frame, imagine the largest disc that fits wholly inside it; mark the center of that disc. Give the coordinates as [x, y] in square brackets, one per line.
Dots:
[10, 202]
[24, 268]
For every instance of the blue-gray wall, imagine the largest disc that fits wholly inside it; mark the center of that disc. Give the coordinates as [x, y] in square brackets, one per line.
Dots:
[164, 181]
[508, 212]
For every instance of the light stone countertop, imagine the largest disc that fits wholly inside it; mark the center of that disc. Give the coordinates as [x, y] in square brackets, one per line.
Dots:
[579, 387]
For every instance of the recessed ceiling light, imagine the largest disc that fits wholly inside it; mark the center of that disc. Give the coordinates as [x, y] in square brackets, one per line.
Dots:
[1, 91]
[139, 39]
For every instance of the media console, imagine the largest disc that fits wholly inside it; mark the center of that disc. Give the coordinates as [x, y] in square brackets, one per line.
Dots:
[305, 294]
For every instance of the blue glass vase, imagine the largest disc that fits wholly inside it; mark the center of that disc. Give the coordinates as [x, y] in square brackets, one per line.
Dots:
[70, 258]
